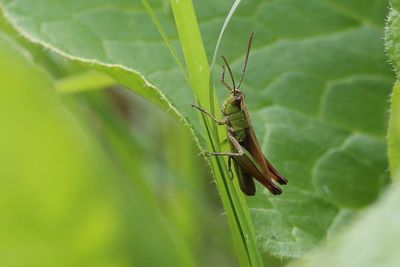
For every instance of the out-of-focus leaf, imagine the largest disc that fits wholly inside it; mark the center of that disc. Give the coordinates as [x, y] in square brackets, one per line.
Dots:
[373, 240]
[317, 88]
[62, 204]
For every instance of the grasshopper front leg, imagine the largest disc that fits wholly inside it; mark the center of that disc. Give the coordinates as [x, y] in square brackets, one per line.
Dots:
[219, 122]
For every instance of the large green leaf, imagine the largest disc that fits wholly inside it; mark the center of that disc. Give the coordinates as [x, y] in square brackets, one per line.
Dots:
[373, 240]
[317, 88]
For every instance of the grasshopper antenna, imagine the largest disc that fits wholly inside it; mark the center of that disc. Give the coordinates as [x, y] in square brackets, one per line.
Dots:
[230, 72]
[246, 59]
[223, 79]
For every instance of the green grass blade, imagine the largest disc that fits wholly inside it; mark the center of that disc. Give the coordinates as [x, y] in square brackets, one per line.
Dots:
[199, 73]
[221, 33]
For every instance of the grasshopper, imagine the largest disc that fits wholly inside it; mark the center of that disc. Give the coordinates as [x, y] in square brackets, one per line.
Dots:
[246, 154]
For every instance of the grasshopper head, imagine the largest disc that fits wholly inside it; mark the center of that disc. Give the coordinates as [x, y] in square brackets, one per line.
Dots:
[233, 102]
[236, 97]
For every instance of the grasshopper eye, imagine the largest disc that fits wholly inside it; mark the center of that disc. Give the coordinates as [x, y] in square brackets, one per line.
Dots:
[237, 100]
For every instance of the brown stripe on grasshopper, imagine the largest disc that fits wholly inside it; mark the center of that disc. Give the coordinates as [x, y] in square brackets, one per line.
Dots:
[249, 160]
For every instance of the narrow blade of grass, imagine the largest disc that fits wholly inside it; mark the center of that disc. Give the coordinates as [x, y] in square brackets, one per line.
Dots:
[199, 74]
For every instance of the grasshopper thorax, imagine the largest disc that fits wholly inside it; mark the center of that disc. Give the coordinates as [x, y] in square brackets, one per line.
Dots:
[233, 101]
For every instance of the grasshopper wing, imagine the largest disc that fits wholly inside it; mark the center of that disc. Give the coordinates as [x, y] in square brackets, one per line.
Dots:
[275, 174]
[252, 145]
[250, 167]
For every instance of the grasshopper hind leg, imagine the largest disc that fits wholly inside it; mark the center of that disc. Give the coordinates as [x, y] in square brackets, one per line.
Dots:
[246, 181]
[235, 144]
